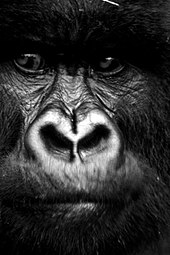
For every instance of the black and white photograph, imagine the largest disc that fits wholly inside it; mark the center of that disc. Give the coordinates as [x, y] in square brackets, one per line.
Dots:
[85, 127]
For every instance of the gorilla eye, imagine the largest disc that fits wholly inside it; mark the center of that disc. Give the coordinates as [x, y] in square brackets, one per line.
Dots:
[30, 63]
[109, 65]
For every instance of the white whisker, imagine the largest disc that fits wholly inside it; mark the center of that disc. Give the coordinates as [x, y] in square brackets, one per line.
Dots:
[110, 2]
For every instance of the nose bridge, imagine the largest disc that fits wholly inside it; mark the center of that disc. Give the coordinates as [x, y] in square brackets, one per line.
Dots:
[73, 90]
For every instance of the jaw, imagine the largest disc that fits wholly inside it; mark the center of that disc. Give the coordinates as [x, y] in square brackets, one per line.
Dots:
[38, 211]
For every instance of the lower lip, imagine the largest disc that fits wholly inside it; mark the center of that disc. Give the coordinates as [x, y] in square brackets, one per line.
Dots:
[62, 216]
[77, 211]
[57, 210]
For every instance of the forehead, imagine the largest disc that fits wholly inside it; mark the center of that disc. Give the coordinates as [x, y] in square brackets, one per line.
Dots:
[77, 21]
[54, 17]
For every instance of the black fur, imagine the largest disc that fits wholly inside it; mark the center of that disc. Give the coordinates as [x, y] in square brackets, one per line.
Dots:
[135, 31]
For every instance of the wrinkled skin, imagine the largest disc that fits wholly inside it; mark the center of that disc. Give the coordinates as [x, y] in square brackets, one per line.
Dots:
[84, 126]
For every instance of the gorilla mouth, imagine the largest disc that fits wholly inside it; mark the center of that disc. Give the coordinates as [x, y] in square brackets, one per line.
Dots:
[69, 207]
[49, 197]
[82, 212]
[78, 199]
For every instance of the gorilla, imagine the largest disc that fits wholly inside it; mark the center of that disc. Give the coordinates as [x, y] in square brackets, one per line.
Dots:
[84, 126]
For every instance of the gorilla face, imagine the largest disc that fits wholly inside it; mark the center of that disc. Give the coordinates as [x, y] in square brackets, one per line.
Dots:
[84, 126]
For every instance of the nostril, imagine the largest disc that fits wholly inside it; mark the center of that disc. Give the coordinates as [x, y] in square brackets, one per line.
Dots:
[54, 140]
[94, 138]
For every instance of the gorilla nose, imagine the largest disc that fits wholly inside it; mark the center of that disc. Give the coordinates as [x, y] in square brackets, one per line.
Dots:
[54, 141]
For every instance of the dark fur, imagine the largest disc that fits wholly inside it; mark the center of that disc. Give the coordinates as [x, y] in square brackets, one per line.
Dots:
[138, 32]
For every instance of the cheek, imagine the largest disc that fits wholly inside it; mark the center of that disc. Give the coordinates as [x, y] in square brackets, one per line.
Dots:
[11, 122]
